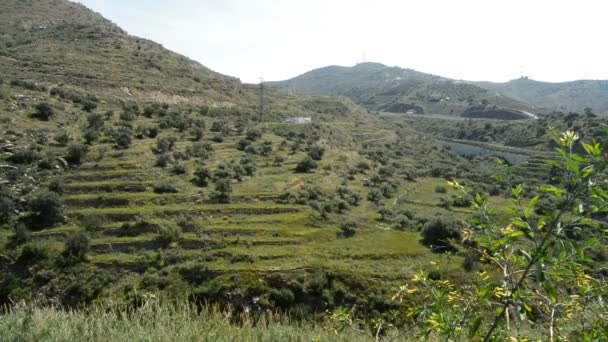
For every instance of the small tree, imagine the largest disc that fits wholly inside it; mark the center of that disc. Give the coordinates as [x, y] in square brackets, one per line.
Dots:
[95, 121]
[223, 190]
[201, 177]
[253, 134]
[278, 161]
[76, 152]
[124, 137]
[347, 229]
[76, 247]
[316, 152]
[438, 233]
[249, 165]
[306, 165]
[46, 208]
[44, 111]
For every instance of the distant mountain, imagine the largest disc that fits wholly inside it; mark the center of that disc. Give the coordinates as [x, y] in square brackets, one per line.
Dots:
[393, 89]
[565, 96]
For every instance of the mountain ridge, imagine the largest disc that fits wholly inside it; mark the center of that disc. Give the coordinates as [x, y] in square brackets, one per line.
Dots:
[394, 89]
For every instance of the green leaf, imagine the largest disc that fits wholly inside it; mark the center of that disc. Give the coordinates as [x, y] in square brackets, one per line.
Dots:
[474, 327]
[516, 191]
[553, 190]
[550, 291]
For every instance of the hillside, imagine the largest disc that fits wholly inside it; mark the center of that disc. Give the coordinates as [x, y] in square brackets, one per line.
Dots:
[566, 96]
[392, 89]
[59, 42]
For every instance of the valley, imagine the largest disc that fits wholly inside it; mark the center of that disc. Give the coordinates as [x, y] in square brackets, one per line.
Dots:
[135, 182]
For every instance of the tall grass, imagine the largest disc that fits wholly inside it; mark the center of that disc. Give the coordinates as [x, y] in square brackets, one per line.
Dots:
[152, 322]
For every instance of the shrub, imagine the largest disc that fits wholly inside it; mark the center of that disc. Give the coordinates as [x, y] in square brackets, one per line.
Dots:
[7, 205]
[347, 229]
[25, 155]
[179, 168]
[162, 160]
[62, 137]
[253, 134]
[76, 152]
[165, 188]
[223, 190]
[278, 161]
[90, 136]
[402, 222]
[218, 138]
[306, 165]
[218, 126]
[197, 133]
[200, 150]
[168, 233]
[242, 144]
[374, 195]
[46, 208]
[88, 105]
[438, 231]
[440, 189]
[164, 144]
[316, 152]
[76, 246]
[201, 177]
[44, 111]
[57, 185]
[95, 121]
[249, 166]
[123, 137]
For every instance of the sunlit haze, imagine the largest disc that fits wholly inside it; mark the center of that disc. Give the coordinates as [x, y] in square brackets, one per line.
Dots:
[468, 39]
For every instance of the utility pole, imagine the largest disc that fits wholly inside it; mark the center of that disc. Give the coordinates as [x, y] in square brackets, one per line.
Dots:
[261, 99]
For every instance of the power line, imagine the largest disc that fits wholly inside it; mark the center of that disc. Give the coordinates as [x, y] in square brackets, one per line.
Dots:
[261, 99]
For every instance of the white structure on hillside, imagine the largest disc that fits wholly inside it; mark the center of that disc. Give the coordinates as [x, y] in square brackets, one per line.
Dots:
[299, 120]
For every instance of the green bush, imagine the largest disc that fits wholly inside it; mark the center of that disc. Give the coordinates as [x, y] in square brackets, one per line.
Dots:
[168, 233]
[438, 231]
[57, 185]
[306, 165]
[347, 229]
[201, 177]
[440, 189]
[223, 190]
[163, 159]
[123, 138]
[253, 134]
[46, 208]
[164, 144]
[76, 247]
[316, 152]
[76, 152]
[25, 155]
[44, 111]
[165, 188]
[7, 204]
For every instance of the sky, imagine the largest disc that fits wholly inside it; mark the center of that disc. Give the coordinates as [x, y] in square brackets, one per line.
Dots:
[493, 40]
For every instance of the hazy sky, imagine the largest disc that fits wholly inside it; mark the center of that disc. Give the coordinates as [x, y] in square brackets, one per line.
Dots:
[496, 40]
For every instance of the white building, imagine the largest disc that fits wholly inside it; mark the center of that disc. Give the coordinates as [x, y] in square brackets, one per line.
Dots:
[299, 120]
